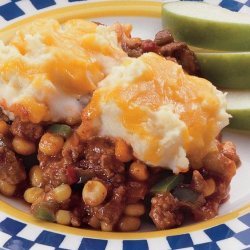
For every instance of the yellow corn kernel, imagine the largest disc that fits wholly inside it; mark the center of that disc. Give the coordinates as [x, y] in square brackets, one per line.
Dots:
[137, 209]
[94, 222]
[94, 193]
[36, 176]
[209, 187]
[63, 217]
[51, 144]
[139, 171]
[6, 188]
[122, 151]
[32, 194]
[62, 192]
[106, 227]
[23, 146]
[129, 223]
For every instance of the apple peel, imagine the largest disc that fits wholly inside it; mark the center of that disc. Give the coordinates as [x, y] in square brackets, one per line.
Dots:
[226, 70]
[207, 26]
[238, 105]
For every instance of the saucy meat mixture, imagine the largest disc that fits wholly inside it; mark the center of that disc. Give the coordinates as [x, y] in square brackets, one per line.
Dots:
[97, 182]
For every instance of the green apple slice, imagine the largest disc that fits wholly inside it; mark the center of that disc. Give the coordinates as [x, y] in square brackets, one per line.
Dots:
[238, 105]
[207, 26]
[226, 70]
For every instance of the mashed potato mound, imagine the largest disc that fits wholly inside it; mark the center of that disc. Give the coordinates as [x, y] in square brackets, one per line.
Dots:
[169, 118]
[47, 70]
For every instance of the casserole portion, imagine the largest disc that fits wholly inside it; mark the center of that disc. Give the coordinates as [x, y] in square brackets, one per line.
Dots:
[102, 130]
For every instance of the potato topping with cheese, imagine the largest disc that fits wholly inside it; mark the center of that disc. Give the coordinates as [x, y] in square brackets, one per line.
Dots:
[169, 118]
[48, 70]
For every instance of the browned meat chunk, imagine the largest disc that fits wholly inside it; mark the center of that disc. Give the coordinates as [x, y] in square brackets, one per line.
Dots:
[136, 191]
[165, 212]
[107, 168]
[183, 55]
[100, 161]
[96, 147]
[206, 212]
[187, 59]
[229, 150]
[220, 165]
[210, 208]
[73, 149]
[26, 130]
[164, 45]
[55, 174]
[163, 37]
[111, 212]
[132, 46]
[106, 215]
[198, 183]
[83, 161]
[172, 49]
[11, 169]
[149, 46]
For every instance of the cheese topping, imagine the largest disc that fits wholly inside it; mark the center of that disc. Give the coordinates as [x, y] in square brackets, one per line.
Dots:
[47, 67]
[168, 117]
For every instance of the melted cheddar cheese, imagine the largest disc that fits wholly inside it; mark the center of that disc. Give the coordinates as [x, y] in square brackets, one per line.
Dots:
[53, 66]
[168, 117]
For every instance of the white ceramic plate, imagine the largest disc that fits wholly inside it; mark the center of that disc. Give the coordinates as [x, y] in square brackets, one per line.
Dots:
[19, 230]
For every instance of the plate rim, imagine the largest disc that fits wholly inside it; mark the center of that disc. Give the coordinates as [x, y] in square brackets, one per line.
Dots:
[152, 9]
[199, 226]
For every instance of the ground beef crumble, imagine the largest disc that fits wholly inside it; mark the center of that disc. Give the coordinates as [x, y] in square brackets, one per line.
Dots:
[11, 168]
[28, 130]
[165, 212]
[165, 45]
